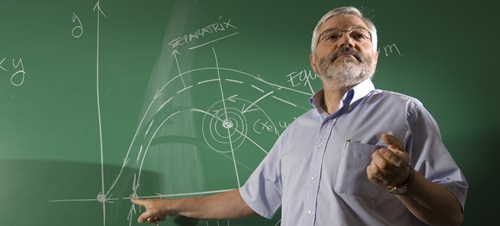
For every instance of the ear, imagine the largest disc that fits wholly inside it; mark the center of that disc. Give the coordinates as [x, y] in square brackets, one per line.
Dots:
[312, 60]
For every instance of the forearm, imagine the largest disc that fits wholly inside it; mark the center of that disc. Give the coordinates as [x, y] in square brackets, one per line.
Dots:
[432, 203]
[227, 205]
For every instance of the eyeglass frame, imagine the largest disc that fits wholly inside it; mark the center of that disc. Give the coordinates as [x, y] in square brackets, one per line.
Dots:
[348, 31]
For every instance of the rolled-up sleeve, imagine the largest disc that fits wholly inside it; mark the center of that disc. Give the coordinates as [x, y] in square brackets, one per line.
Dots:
[430, 157]
[263, 190]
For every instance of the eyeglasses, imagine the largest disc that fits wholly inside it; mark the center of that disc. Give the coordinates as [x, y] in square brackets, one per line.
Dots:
[334, 34]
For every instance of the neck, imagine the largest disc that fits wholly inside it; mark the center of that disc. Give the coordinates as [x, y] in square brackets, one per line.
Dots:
[333, 95]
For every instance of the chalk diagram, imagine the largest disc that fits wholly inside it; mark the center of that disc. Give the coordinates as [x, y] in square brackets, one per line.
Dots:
[230, 120]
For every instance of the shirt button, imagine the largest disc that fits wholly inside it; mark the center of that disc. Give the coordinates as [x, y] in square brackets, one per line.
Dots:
[313, 178]
[320, 146]
[309, 212]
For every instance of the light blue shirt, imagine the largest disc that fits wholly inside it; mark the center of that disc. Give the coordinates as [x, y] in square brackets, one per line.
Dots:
[316, 171]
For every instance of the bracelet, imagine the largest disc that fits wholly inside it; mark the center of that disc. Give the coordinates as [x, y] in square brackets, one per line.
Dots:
[402, 188]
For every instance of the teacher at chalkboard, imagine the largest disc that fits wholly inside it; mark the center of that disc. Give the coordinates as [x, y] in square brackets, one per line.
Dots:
[360, 156]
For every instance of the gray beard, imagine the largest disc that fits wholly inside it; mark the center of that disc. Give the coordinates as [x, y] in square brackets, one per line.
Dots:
[347, 74]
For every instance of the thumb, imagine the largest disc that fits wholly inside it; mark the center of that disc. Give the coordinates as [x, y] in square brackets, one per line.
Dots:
[392, 142]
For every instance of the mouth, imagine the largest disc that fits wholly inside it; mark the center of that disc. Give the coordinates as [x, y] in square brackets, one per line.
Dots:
[347, 56]
[346, 52]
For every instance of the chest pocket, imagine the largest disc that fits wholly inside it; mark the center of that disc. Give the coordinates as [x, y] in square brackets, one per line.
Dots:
[351, 178]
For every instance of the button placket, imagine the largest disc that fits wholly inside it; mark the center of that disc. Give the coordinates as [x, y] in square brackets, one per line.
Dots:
[316, 165]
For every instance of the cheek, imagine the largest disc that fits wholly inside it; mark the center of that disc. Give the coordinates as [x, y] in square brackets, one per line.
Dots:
[368, 52]
[318, 61]
[368, 57]
[324, 52]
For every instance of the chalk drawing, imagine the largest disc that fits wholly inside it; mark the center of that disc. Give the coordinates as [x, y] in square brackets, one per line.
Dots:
[231, 120]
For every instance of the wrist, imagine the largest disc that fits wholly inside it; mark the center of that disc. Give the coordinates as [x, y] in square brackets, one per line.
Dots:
[403, 187]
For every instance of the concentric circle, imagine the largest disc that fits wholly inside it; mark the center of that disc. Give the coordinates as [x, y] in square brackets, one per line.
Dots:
[224, 129]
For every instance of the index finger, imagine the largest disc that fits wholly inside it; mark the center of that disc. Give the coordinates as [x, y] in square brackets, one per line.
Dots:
[139, 202]
[148, 214]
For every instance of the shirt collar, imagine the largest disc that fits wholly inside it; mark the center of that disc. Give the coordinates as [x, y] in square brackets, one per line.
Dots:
[352, 96]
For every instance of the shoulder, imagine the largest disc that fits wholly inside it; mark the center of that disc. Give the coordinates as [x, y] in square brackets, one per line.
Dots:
[394, 96]
[394, 100]
[414, 110]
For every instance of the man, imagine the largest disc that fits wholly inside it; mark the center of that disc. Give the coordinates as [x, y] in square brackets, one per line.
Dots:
[361, 157]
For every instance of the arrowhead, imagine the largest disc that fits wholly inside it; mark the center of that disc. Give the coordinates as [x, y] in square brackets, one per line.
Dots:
[157, 94]
[231, 98]
[98, 7]
[125, 161]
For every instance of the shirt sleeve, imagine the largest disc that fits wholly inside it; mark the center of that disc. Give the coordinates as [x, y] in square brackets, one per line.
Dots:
[428, 154]
[263, 191]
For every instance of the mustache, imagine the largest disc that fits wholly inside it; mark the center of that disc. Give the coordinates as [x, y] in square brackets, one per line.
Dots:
[346, 50]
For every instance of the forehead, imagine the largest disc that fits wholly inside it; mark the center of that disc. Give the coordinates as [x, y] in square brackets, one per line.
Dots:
[343, 22]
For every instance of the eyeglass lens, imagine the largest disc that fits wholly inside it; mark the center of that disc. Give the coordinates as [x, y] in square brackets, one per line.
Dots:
[358, 34]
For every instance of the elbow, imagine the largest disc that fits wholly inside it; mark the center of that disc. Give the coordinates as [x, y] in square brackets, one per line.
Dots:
[457, 219]
[452, 220]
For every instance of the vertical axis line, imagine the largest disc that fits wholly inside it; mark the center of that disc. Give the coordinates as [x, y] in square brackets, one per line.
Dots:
[226, 120]
[102, 193]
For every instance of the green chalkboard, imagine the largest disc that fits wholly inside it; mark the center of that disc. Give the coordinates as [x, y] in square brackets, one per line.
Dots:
[105, 100]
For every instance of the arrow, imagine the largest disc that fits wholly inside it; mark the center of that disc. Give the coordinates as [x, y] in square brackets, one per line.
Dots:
[158, 93]
[245, 110]
[216, 113]
[98, 7]
[175, 53]
[99, 11]
[232, 98]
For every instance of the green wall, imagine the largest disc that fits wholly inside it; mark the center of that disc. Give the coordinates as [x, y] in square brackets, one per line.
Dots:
[104, 100]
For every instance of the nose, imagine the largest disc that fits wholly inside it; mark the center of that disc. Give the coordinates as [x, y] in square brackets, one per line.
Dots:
[346, 40]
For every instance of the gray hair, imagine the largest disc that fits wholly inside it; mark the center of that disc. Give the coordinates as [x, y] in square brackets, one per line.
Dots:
[348, 10]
